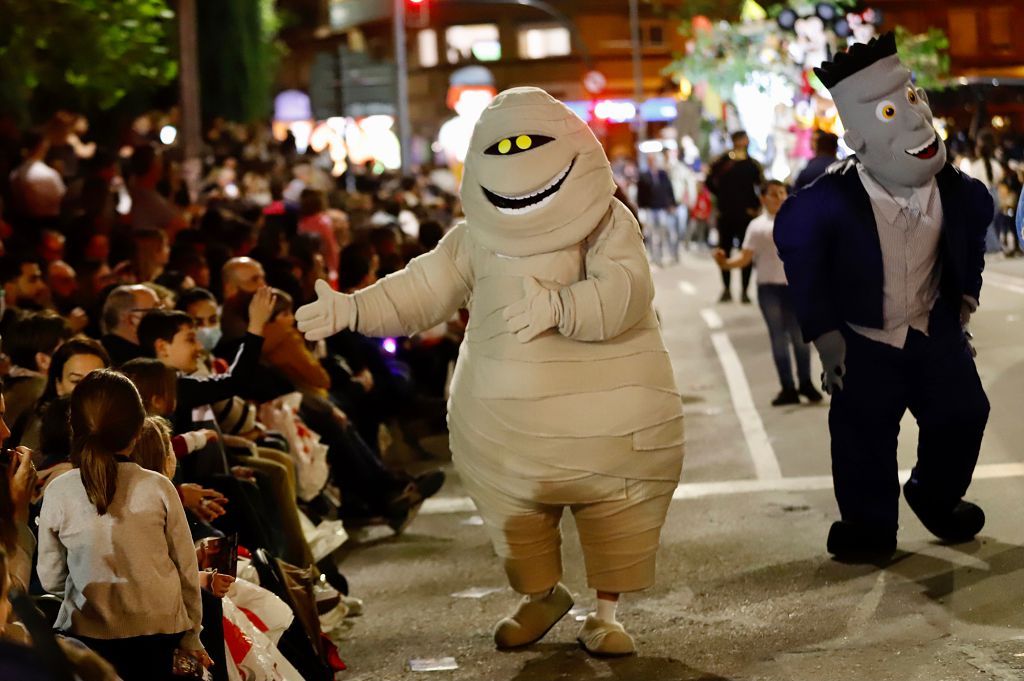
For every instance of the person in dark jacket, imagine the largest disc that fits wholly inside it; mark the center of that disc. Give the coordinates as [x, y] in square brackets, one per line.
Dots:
[734, 179]
[826, 146]
[657, 202]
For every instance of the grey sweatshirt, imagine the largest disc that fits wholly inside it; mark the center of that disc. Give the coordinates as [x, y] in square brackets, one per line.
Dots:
[130, 572]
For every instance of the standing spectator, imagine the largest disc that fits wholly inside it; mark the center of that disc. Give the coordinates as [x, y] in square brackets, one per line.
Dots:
[314, 218]
[734, 179]
[774, 299]
[657, 202]
[122, 312]
[986, 167]
[37, 189]
[150, 209]
[826, 147]
[113, 537]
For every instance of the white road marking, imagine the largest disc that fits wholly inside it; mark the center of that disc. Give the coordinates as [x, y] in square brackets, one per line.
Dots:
[712, 318]
[766, 464]
[700, 490]
[1004, 281]
[687, 288]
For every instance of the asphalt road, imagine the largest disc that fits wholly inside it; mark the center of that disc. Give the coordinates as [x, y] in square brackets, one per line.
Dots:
[746, 589]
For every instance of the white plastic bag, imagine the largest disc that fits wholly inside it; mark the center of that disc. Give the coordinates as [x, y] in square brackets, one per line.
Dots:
[309, 454]
[273, 612]
[251, 655]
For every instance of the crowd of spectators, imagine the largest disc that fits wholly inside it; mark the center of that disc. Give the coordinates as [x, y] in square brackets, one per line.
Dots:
[159, 401]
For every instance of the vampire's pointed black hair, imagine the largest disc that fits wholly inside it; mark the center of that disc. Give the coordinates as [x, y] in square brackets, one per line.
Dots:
[857, 58]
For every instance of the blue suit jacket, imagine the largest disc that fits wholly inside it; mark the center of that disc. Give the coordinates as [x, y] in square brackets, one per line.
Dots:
[828, 241]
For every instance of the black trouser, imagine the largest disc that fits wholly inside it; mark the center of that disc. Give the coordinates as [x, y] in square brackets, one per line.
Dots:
[731, 231]
[935, 377]
[357, 470]
[139, 658]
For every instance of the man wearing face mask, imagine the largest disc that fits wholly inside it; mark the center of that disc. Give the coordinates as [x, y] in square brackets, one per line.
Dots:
[884, 256]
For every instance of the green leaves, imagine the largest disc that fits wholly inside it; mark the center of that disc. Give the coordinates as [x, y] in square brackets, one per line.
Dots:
[82, 54]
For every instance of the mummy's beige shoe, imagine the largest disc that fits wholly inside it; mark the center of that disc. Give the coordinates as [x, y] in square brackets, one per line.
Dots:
[533, 619]
[605, 639]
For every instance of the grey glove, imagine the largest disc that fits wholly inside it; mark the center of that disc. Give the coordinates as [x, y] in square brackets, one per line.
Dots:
[831, 349]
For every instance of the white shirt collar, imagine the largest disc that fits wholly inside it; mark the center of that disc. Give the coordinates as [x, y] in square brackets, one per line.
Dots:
[891, 206]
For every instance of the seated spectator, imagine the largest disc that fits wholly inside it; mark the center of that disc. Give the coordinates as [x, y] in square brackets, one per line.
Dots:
[24, 286]
[30, 342]
[122, 312]
[151, 253]
[285, 349]
[71, 362]
[144, 604]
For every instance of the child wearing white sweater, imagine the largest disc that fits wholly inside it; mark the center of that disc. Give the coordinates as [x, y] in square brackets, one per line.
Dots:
[114, 541]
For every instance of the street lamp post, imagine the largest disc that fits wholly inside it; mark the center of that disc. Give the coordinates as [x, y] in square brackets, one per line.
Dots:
[638, 73]
[402, 83]
[191, 121]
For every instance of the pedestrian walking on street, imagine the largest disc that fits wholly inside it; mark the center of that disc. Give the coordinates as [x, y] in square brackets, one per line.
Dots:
[734, 180]
[773, 298]
[657, 202]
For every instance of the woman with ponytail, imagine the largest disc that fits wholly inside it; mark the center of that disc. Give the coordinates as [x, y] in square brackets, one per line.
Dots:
[114, 542]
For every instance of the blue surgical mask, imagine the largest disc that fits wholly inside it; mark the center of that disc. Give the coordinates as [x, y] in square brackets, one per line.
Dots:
[209, 336]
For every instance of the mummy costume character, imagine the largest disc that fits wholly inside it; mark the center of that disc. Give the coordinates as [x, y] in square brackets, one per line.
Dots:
[884, 256]
[563, 394]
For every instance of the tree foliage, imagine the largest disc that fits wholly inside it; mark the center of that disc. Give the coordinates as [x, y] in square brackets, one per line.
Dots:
[724, 54]
[84, 55]
[238, 54]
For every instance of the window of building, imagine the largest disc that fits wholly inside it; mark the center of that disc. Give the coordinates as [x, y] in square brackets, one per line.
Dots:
[963, 32]
[542, 41]
[426, 43]
[1000, 28]
[472, 42]
[652, 34]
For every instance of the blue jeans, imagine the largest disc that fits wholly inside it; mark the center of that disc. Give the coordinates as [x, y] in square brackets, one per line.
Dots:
[784, 331]
[661, 229]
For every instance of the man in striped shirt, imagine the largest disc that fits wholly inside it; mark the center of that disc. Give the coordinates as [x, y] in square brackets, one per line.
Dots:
[884, 256]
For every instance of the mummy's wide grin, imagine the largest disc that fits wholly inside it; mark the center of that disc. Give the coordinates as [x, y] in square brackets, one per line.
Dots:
[525, 203]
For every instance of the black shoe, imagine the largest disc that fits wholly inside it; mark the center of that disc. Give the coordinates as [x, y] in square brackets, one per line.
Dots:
[726, 297]
[428, 484]
[959, 524]
[745, 299]
[786, 396]
[329, 571]
[808, 391]
[852, 543]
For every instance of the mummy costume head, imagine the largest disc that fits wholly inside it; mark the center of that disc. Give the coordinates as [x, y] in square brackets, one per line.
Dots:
[536, 178]
[888, 121]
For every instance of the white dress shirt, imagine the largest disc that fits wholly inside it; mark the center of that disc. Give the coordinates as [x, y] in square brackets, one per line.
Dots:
[909, 230]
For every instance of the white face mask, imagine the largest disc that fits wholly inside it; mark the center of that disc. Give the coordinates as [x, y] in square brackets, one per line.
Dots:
[209, 336]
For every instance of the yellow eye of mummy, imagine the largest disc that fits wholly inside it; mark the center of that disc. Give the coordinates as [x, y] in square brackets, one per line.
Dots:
[517, 144]
[911, 96]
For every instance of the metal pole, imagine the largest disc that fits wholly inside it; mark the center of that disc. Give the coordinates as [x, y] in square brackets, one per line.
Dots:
[638, 73]
[191, 120]
[402, 81]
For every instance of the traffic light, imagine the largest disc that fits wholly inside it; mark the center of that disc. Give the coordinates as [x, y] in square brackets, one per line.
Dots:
[417, 13]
